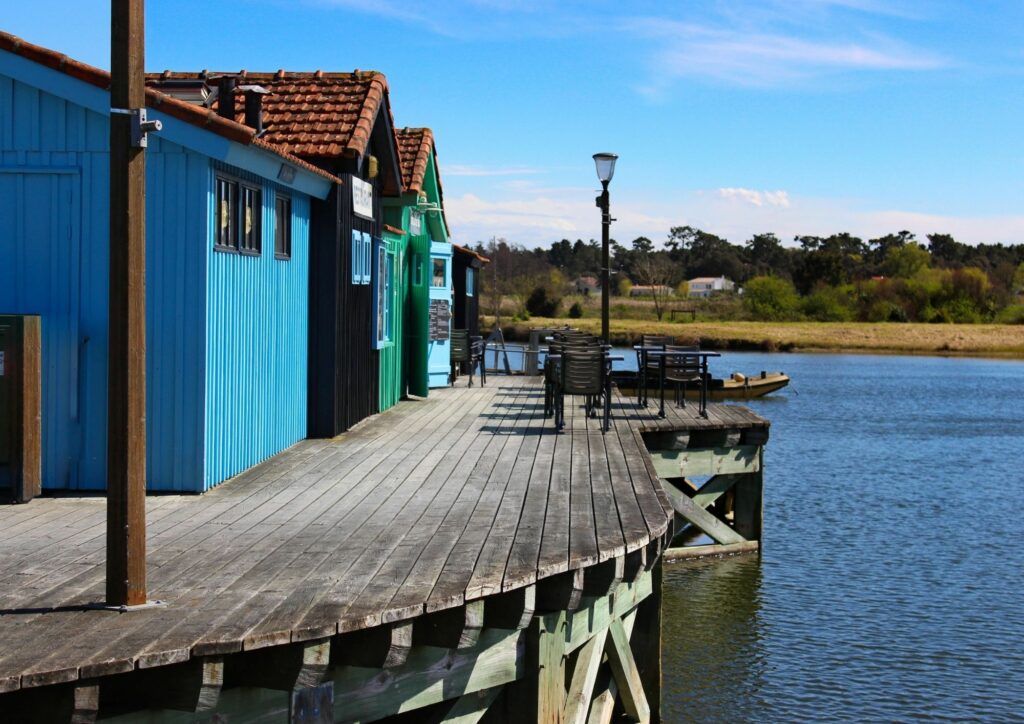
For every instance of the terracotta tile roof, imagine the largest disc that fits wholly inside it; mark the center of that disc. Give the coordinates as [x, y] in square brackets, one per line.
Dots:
[187, 112]
[414, 148]
[313, 115]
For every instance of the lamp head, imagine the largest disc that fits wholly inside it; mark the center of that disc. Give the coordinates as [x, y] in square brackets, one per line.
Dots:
[605, 163]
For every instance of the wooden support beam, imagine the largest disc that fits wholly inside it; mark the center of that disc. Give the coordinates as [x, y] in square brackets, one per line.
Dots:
[561, 592]
[599, 580]
[699, 517]
[748, 506]
[191, 686]
[451, 628]
[380, 647]
[511, 610]
[596, 614]
[126, 375]
[713, 489]
[546, 663]
[635, 565]
[706, 461]
[683, 553]
[620, 657]
[471, 708]
[77, 702]
[430, 675]
[653, 553]
[581, 688]
[646, 642]
[291, 666]
[603, 705]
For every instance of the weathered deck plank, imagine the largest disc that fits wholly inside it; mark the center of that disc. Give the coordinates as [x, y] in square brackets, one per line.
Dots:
[464, 495]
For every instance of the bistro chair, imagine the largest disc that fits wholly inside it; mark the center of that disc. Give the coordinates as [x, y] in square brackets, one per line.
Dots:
[584, 372]
[682, 366]
[465, 351]
[648, 367]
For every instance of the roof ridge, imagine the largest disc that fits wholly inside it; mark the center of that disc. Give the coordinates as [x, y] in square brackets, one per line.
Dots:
[182, 110]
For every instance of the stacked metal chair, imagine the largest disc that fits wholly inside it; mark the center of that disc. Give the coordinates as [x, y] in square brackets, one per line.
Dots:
[648, 368]
[682, 366]
[577, 364]
[468, 351]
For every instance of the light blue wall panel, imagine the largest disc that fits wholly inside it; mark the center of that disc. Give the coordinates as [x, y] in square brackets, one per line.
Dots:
[176, 228]
[54, 225]
[257, 312]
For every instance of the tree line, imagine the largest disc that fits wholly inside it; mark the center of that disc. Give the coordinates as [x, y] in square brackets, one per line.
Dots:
[841, 277]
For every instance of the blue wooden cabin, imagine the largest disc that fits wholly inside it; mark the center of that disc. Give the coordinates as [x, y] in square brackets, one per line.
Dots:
[228, 220]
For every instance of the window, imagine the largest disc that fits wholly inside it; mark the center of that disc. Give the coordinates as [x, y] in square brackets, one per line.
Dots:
[239, 210]
[470, 281]
[383, 278]
[440, 273]
[282, 227]
[361, 260]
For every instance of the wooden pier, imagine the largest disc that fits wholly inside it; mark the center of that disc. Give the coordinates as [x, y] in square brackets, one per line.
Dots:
[455, 557]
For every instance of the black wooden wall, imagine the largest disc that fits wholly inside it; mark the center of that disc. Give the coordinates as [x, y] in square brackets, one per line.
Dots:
[344, 368]
[466, 310]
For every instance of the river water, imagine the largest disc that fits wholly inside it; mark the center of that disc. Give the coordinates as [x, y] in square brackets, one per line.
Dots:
[891, 585]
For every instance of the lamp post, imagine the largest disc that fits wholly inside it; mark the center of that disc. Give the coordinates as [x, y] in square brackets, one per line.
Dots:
[605, 163]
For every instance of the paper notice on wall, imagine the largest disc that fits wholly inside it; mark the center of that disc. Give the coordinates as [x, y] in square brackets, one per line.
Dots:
[362, 198]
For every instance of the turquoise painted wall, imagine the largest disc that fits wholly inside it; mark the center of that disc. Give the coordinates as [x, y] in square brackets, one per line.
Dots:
[204, 423]
[256, 345]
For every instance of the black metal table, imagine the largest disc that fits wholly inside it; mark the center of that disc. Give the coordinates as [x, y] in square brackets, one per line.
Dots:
[661, 354]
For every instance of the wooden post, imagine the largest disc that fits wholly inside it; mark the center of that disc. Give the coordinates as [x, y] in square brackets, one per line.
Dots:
[646, 641]
[126, 379]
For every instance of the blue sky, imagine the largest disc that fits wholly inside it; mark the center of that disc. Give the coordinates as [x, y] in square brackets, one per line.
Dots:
[795, 116]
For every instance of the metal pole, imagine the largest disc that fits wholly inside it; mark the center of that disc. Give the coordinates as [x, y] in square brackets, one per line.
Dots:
[126, 379]
[605, 263]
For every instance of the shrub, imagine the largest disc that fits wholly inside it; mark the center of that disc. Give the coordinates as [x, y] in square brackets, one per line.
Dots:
[770, 298]
[575, 311]
[829, 304]
[1013, 314]
[542, 303]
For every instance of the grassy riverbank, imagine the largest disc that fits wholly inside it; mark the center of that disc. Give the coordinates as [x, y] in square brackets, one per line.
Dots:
[1000, 340]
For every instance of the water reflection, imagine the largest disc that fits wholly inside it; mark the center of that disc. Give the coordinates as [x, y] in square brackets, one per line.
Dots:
[890, 586]
[713, 656]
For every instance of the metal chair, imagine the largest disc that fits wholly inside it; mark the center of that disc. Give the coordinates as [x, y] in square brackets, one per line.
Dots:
[647, 367]
[584, 372]
[682, 366]
[464, 350]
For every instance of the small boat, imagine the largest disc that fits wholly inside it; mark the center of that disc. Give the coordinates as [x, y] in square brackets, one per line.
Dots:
[737, 387]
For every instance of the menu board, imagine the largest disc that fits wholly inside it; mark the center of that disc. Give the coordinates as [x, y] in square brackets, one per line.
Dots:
[440, 319]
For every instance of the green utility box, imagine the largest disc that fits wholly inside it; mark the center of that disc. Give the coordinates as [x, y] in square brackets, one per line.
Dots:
[20, 405]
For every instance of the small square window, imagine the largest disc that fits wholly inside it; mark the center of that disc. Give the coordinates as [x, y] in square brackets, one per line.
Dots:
[282, 227]
[470, 280]
[239, 212]
[251, 241]
[440, 273]
[226, 234]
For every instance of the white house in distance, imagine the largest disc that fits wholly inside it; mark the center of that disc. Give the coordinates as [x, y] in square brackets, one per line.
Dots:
[706, 286]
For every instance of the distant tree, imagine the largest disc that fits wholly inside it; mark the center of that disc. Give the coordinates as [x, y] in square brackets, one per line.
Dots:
[624, 286]
[905, 261]
[770, 298]
[654, 270]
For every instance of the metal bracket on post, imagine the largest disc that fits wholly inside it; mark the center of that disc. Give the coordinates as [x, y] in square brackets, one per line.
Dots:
[140, 126]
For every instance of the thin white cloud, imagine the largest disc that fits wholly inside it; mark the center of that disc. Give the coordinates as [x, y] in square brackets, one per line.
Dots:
[757, 198]
[744, 58]
[466, 170]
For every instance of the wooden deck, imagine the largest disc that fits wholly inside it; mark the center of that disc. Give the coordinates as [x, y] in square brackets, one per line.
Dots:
[430, 505]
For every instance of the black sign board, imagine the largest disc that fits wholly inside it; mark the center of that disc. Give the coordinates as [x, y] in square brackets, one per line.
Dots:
[440, 319]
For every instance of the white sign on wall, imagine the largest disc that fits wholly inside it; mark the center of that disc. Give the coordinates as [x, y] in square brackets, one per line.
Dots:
[415, 223]
[362, 198]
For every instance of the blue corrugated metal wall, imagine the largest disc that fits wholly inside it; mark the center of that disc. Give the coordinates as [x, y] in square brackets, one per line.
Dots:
[257, 311]
[54, 236]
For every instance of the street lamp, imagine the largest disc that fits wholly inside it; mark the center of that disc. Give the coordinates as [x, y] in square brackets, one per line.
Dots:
[605, 163]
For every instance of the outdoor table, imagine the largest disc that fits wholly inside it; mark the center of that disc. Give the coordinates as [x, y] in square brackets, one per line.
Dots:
[660, 354]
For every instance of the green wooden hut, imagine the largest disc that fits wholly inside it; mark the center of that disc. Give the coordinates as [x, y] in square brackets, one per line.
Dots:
[416, 233]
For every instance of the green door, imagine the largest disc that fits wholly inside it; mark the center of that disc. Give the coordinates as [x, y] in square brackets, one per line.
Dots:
[419, 313]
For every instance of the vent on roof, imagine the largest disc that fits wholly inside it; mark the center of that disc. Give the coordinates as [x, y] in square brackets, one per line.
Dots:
[226, 96]
[254, 106]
